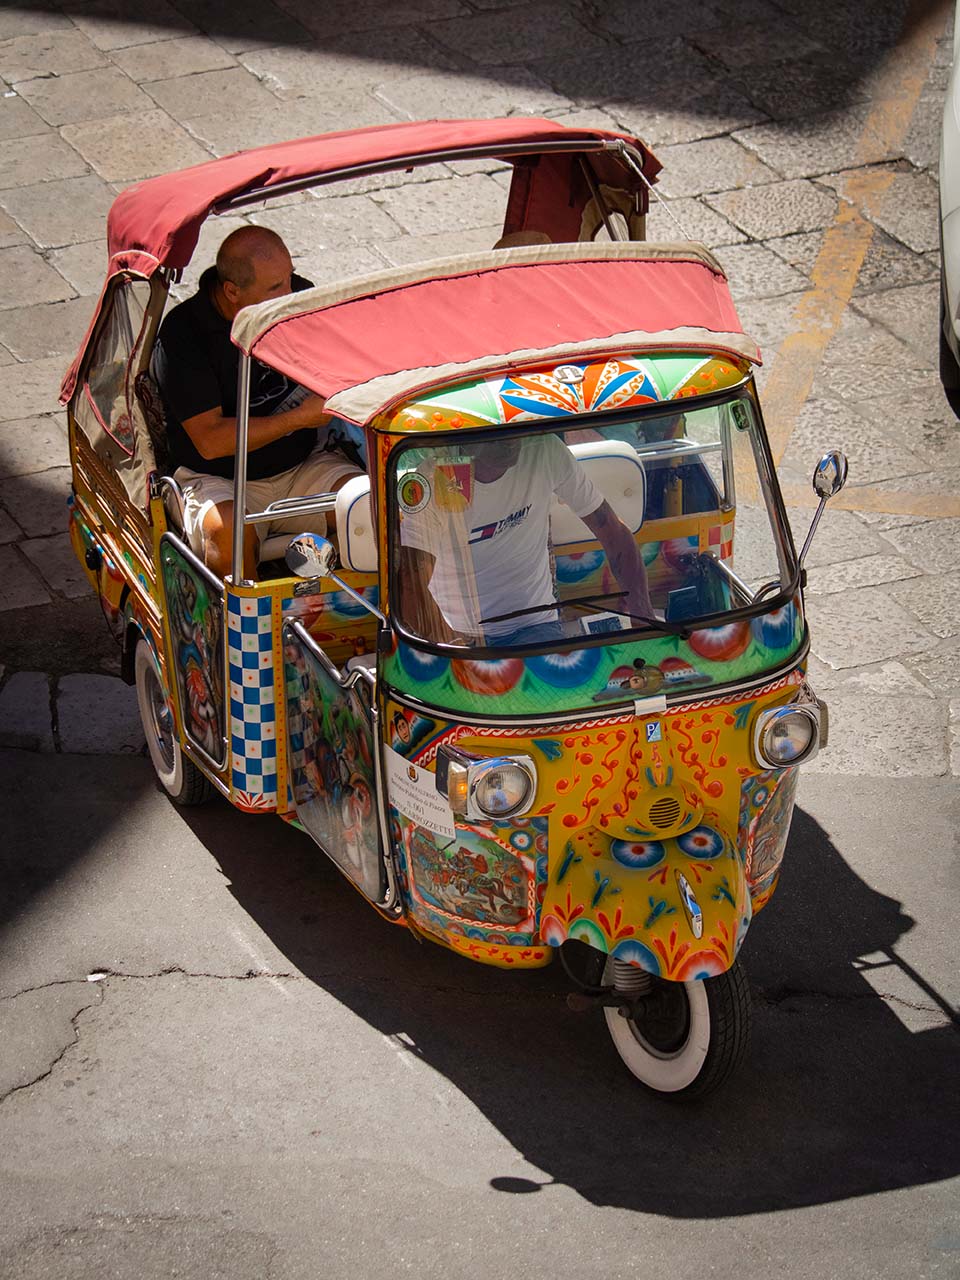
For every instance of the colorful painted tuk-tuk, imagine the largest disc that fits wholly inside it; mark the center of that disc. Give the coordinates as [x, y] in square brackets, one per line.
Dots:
[503, 744]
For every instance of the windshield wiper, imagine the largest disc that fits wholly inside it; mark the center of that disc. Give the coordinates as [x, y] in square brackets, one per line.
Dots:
[596, 603]
[658, 624]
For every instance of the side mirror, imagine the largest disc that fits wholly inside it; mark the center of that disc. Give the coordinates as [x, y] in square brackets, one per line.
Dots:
[310, 556]
[830, 474]
[829, 477]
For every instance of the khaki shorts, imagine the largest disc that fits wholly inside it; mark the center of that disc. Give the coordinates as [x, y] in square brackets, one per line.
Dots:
[320, 472]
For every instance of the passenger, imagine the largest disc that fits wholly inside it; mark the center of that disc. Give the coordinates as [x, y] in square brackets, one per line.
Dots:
[295, 446]
[479, 550]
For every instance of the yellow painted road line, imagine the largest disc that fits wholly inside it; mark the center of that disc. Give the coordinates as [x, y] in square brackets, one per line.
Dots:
[845, 244]
[876, 500]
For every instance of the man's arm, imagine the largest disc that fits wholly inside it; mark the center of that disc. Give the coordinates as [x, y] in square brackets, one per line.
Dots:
[215, 436]
[623, 556]
[420, 610]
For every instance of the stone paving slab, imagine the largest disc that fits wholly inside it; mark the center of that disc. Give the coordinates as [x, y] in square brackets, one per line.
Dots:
[17, 119]
[135, 145]
[38, 159]
[61, 213]
[26, 278]
[535, 31]
[935, 599]
[202, 92]
[31, 444]
[98, 715]
[25, 715]
[165, 59]
[864, 626]
[51, 329]
[83, 265]
[55, 53]
[430, 94]
[38, 502]
[10, 233]
[57, 564]
[776, 209]
[118, 24]
[906, 208]
[36, 20]
[84, 95]
[713, 164]
[885, 737]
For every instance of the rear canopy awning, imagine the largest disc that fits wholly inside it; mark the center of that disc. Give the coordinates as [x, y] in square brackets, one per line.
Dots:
[370, 343]
[156, 223]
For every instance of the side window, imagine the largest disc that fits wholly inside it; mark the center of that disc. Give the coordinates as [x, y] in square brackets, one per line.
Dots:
[109, 381]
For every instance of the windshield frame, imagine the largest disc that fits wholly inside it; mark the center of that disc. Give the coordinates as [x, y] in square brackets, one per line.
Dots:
[766, 476]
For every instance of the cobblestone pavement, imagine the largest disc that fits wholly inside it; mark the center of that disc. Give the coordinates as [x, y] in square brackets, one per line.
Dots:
[798, 139]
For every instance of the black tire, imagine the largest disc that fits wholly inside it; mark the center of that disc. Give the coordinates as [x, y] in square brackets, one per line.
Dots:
[179, 777]
[699, 1041]
[949, 366]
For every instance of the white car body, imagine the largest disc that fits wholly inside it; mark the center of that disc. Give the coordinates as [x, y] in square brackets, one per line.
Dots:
[950, 226]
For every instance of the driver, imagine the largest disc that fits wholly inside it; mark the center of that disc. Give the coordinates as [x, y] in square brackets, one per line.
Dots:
[195, 365]
[482, 544]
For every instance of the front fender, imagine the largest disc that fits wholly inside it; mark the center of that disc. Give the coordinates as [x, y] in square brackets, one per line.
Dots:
[679, 908]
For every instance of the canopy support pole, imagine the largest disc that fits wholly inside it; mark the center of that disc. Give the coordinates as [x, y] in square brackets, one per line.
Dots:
[240, 467]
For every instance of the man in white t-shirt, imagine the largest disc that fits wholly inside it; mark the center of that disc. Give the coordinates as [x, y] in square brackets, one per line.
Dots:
[477, 548]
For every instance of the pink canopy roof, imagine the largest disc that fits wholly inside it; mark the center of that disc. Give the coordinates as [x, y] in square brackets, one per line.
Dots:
[366, 351]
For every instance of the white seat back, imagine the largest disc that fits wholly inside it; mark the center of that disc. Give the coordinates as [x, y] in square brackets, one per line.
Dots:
[355, 531]
[618, 474]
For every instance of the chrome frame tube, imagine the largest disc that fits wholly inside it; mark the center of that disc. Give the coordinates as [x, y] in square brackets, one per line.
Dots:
[497, 151]
[240, 467]
[283, 508]
[595, 192]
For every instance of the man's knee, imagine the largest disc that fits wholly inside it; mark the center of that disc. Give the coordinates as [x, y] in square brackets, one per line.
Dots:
[218, 540]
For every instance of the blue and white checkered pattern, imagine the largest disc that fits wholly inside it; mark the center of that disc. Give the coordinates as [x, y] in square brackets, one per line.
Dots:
[253, 711]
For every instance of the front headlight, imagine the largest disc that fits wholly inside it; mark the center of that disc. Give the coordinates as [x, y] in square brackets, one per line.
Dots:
[478, 787]
[787, 735]
[503, 788]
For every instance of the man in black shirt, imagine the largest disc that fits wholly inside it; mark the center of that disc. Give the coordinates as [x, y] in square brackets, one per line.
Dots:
[196, 365]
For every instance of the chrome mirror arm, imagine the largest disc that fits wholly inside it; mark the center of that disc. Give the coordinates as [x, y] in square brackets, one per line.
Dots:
[829, 477]
[310, 556]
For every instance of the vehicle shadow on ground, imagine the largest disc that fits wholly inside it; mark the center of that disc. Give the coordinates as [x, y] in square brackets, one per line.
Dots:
[838, 1097]
[792, 58]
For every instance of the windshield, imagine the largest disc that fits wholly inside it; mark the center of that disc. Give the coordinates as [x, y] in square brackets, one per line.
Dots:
[510, 540]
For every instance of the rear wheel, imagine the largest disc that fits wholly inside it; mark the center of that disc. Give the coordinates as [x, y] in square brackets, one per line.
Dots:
[688, 1037]
[179, 777]
[949, 368]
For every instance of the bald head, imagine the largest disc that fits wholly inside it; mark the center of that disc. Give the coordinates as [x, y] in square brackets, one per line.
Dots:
[253, 264]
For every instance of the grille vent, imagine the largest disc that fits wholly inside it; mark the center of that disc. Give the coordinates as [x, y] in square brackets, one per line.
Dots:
[664, 812]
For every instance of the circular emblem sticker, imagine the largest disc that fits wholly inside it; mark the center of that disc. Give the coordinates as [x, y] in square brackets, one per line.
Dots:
[413, 492]
[568, 373]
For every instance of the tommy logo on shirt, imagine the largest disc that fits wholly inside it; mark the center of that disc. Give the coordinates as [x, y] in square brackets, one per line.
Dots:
[483, 532]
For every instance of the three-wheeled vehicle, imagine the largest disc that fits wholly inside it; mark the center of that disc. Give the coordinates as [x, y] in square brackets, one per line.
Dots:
[471, 714]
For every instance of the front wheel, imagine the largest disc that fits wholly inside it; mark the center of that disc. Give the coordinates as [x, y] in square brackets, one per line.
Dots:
[179, 777]
[688, 1037]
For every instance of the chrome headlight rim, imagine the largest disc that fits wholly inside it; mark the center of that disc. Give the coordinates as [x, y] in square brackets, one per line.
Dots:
[768, 719]
[460, 774]
[480, 772]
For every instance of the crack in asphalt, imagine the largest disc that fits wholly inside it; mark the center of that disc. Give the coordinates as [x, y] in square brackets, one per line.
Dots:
[780, 995]
[29, 1084]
